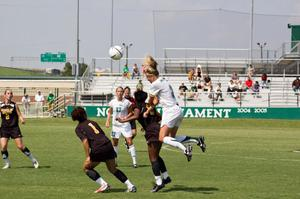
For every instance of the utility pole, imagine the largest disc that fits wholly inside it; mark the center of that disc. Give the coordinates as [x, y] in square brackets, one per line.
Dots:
[261, 46]
[126, 51]
[77, 58]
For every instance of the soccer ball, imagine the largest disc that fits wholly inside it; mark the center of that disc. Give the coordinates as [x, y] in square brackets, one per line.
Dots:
[115, 52]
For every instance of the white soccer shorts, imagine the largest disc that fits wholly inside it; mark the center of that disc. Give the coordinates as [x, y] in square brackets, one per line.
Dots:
[118, 131]
[171, 116]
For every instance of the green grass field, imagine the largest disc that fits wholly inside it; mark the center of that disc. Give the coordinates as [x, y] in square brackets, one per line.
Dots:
[245, 159]
[6, 71]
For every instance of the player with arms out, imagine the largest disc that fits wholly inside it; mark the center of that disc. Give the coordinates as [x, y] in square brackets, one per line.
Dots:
[120, 107]
[10, 115]
[151, 126]
[97, 148]
[162, 92]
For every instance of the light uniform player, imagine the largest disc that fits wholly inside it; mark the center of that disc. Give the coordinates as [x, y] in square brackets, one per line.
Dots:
[120, 107]
[162, 92]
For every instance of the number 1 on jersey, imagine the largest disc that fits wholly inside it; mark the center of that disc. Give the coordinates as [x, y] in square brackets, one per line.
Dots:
[94, 128]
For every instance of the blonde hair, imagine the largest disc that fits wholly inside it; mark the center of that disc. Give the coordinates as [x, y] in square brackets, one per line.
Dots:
[150, 61]
[150, 65]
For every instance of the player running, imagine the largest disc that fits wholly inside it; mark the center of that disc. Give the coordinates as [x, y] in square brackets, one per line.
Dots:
[151, 126]
[10, 115]
[120, 107]
[162, 92]
[97, 148]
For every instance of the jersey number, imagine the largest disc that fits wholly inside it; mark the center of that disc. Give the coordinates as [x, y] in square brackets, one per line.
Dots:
[94, 128]
[118, 109]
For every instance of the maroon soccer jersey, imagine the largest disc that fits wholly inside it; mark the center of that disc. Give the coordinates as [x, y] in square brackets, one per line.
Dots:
[91, 131]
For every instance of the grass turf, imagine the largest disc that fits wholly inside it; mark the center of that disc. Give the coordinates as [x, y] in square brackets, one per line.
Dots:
[244, 159]
[7, 71]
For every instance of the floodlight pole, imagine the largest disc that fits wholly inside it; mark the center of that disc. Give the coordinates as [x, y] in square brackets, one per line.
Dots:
[77, 58]
[261, 46]
[126, 52]
[112, 32]
[251, 31]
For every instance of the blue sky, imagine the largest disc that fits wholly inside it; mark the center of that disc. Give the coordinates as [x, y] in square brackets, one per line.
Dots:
[32, 27]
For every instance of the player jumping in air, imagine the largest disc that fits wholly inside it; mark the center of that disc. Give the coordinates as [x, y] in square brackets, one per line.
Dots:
[162, 92]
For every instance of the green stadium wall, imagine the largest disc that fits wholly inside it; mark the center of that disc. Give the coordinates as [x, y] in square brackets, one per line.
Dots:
[214, 113]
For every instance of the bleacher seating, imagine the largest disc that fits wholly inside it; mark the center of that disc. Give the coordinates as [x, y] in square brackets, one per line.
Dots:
[279, 94]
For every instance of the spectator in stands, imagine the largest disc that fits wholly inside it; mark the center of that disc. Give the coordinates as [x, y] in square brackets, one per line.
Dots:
[231, 87]
[39, 102]
[256, 89]
[264, 79]
[135, 71]
[126, 71]
[296, 85]
[218, 92]
[192, 93]
[248, 83]
[50, 102]
[191, 75]
[198, 73]
[207, 83]
[26, 104]
[143, 70]
[235, 77]
[240, 86]
[182, 89]
[200, 85]
[250, 71]
[211, 93]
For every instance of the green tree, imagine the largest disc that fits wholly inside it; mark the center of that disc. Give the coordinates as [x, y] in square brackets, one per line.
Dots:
[67, 69]
[82, 68]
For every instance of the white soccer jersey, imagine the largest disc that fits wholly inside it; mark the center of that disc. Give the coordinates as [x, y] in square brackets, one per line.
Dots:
[163, 90]
[120, 109]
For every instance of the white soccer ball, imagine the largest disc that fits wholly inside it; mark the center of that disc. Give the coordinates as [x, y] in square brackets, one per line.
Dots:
[115, 52]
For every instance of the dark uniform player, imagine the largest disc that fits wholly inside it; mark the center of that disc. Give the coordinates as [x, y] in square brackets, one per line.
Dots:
[98, 148]
[151, 126]
[10, 115]
[128, 96]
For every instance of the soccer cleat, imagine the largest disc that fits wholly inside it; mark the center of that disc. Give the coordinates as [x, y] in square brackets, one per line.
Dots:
[6, 166]
[135, 166]
[156, 188]
[104, 187]
[167, 180]
[201, 143]
[132, 189]
[35, 163]
[188, 152]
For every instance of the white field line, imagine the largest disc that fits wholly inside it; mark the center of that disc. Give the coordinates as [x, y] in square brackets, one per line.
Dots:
[241, 157]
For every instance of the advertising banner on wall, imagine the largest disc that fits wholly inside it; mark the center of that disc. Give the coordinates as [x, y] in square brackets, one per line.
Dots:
[214, 113]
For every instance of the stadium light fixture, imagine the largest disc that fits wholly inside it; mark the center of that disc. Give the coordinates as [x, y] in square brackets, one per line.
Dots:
[261, 46]
[126, 47]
